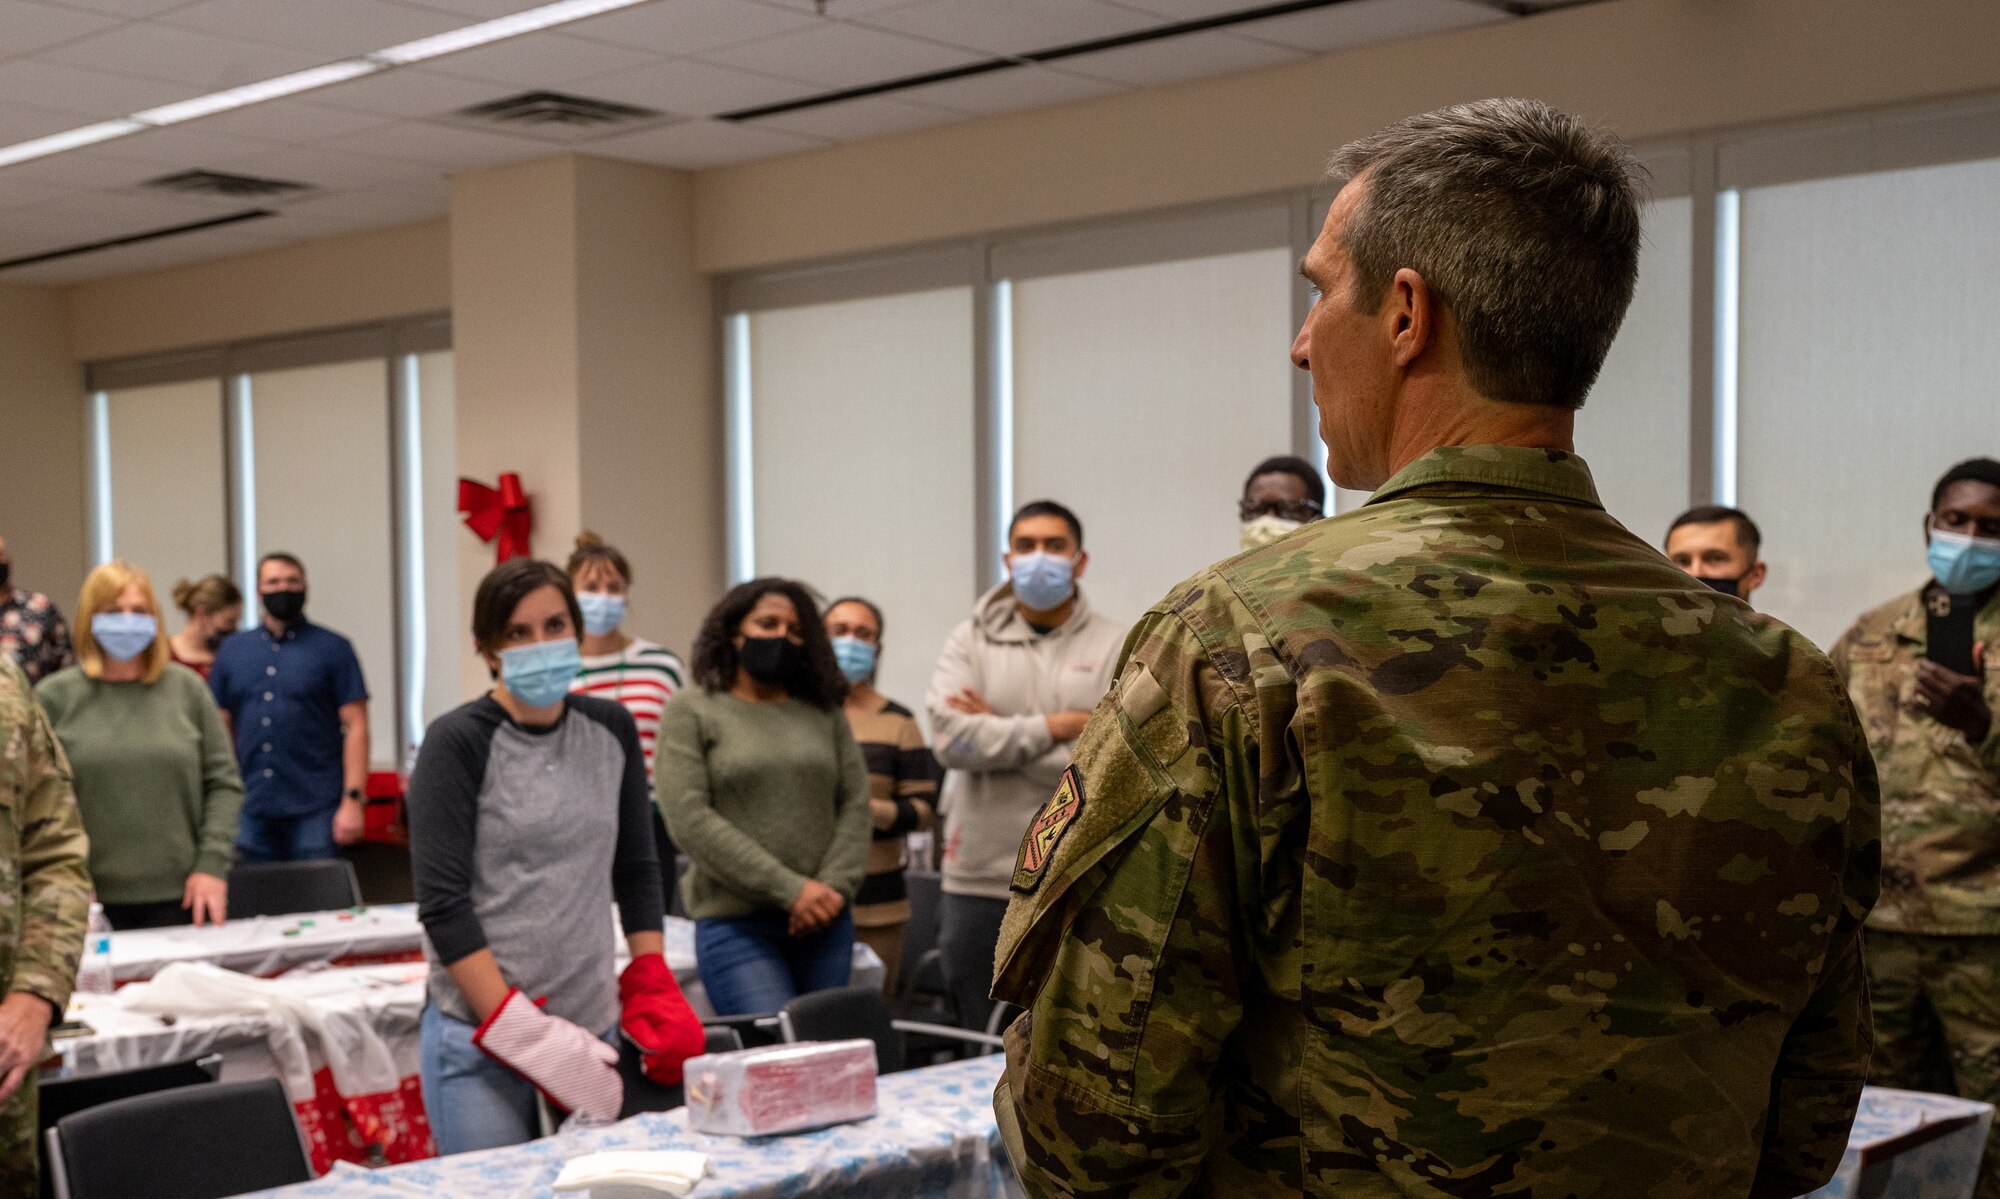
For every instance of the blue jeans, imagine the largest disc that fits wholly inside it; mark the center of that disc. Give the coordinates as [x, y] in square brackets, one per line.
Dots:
[285, 838]
[473, 1101]
[751, 964]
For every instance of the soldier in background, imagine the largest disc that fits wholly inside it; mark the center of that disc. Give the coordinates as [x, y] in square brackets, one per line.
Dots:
[1459, 845]
[44, 910]
[1719, 546]
[1934, 940]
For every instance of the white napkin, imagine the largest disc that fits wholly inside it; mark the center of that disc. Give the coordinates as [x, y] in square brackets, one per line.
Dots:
[633, 1171]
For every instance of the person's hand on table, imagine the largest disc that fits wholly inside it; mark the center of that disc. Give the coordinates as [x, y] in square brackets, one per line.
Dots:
[349, 821]
[206, 898]
[24, 1038]
[1955, 700]
[814, 908]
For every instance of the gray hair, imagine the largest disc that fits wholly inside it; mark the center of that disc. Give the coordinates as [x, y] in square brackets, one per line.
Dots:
[1524, 221]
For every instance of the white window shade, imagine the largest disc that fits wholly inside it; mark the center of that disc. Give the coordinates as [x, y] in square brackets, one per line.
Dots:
[1142, 397]
[453, 674]
[167, 484]
[861, 433]
[322, 477]
[1868, 356]
[1634, 430]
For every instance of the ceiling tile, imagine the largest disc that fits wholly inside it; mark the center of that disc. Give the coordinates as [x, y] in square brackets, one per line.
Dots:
[125, 8]
[26, 28]
[94, 216]
[868, 116]
[842, 56]
[1191, 10]
[85, 169]
[543, 60]
[692, 145]
[692, 26]
[1005, 91]
[290, 122]
[93, 94]
[1171, 59]
[1366, 22]
[839, 9]
[324, 167]
[221, 241]
[1015, 27]
[16, 192]
[410, 92]
[477, 9]
[186, 147]
[20, 123]
[367, 209]
[694, 88]
[202, 61]
[442, 147]
[329, 30]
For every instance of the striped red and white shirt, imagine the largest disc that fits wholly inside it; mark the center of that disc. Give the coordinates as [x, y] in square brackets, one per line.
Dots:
[642, 676]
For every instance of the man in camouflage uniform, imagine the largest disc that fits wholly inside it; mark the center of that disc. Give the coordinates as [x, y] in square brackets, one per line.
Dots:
[1460, 845]
[44, 911]
[1934, 940]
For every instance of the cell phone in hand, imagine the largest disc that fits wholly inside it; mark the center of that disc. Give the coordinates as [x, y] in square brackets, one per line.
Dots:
[1948, 636]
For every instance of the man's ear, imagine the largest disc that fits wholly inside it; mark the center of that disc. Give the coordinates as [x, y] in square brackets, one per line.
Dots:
[1082, 561]
[1412, 313]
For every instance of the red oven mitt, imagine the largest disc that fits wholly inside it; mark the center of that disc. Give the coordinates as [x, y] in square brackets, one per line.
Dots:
[657, 1018]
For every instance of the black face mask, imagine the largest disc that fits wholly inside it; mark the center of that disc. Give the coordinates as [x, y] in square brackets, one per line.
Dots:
[213, 641]
[6, 570]
[772, 661]
[1725, 586]
[284, 606]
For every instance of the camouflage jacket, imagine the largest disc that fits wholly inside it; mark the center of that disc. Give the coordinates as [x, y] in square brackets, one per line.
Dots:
[44, 885]
[1940, 792]
[1457, 846]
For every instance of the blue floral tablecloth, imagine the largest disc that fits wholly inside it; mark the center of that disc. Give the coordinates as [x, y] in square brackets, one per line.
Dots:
[933, 1137]
[1909, 1145]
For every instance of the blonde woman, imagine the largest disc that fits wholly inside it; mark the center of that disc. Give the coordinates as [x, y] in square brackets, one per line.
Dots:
[155, 776]
[214, 608]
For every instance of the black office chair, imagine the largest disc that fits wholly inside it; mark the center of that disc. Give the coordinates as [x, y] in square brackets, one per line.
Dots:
[66, 1096]
[642, 1094]
[920, 992]
[860, 1013]
[201, 1142]
[283, 888]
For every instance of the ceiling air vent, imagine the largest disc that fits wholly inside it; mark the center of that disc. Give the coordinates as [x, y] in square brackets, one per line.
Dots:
[534, 110]
[219, 183]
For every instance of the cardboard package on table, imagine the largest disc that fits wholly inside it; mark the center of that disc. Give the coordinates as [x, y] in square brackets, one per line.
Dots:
[781, 1088]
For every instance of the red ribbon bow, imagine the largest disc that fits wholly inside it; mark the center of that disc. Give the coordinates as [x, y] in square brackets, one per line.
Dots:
[501, 517]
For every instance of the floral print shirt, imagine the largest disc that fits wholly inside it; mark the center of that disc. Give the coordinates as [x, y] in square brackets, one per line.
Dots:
[32, 632]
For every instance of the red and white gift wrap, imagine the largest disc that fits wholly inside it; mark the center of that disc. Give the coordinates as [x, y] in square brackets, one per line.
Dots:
[781, 1088]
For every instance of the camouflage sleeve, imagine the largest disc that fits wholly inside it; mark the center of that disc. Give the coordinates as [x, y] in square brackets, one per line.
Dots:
[1823, 1063]
[1121, 939]
[55, 882]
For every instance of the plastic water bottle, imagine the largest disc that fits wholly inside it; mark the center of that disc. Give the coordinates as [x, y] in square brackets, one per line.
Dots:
[93, 977]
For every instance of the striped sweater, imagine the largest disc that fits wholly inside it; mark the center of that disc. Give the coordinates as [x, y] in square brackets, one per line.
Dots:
[642, 677]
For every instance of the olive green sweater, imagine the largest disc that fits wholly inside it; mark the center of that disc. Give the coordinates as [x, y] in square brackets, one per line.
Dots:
[761, 797]
[155, 779]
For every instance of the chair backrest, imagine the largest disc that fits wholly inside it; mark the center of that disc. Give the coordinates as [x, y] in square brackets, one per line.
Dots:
[846, 1014]
[201, 1142]
[642, 1094]
[920, 935]
[65, 1096]
[282, 888]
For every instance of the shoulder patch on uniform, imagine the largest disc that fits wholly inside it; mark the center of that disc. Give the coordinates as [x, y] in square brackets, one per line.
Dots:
[1039, 846]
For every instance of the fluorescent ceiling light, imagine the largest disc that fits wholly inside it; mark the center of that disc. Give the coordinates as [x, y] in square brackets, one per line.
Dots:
[68, 139]
[257, 93]
[546, 16]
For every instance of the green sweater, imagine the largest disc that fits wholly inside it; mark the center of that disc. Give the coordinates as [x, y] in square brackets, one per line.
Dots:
[155, 779]
[760, 797]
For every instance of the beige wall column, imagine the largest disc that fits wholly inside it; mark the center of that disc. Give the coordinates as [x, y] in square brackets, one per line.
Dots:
[582, 337]
[44, 515]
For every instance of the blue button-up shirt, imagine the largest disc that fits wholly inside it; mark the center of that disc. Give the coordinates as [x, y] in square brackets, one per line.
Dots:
[283, 693]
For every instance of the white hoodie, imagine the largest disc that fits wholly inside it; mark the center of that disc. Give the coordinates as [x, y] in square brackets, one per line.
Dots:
[1005, 766]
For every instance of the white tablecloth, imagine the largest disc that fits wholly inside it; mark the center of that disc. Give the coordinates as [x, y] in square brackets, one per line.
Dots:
[933, 1137]
[268, 945]
[1909, 1145]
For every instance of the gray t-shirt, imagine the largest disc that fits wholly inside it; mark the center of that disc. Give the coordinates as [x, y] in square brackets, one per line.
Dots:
[520, 838]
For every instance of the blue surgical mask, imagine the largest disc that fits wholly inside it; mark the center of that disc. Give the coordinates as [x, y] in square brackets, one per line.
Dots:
[601, 613]
[856, 658]
[540, 674]
[123, 636]
[1042, 580]
[1964, 564]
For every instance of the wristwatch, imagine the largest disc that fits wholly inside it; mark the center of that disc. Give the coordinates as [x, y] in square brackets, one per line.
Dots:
[355, 794]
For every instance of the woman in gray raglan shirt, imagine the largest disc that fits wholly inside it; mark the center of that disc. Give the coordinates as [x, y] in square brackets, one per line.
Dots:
[528, 818]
